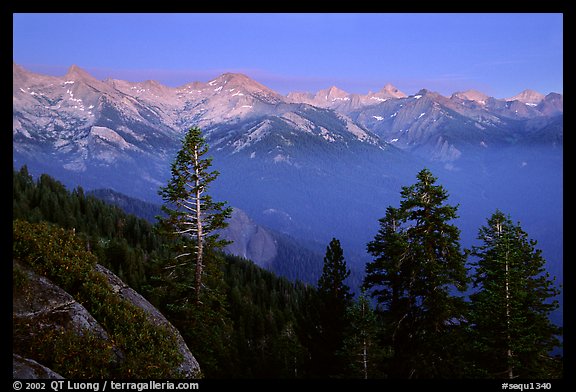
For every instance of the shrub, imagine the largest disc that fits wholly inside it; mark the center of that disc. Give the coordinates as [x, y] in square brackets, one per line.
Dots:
[149, 351]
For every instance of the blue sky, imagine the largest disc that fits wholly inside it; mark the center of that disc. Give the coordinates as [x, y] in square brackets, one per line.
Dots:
[498, 54]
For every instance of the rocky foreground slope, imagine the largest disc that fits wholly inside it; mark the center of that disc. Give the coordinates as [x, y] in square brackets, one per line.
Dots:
[76, 319]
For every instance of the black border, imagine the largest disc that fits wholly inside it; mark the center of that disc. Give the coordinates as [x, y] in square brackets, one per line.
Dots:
[565, 7]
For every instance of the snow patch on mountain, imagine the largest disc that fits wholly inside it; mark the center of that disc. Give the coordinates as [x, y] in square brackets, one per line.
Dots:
[110, 136]
[327, 135]
[303, 124]
[254, 135]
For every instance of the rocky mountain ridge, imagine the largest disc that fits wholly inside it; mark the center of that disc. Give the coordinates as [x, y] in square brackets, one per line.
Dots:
[84, 119]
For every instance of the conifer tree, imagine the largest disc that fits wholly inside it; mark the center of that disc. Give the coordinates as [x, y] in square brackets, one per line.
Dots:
[190, 281]
[509, 315]
[331, 284]
[191, 213]
[386, 275]
[335, 298]
[361, 349]
[417, 268]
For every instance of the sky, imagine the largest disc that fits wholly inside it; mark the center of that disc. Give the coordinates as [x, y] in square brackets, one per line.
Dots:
[497, 54]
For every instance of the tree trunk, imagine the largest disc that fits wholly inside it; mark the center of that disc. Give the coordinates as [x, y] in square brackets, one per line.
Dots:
[509, 352]
[507, 296]
[365, 359]
[199, 234]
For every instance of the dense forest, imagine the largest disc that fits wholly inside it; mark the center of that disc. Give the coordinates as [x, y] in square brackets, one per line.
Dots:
[253, 324]
[255, 335]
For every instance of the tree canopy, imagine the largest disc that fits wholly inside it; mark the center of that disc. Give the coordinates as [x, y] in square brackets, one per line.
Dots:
[510, 313]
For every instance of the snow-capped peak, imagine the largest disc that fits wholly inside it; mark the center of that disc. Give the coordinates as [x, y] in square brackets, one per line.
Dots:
[391, 91]
[332, 94]
[527, 96]
[471, 95]
[237, 84]
[77, 73]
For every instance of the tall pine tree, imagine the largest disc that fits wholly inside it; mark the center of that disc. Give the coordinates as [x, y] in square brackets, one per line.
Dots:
[190, 282]
[509, 314]
[191, 213]
[335, 298]
[388, 278]
[418, 266]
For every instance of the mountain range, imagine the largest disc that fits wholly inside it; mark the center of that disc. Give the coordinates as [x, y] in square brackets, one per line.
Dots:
[310, 166]
[88, 121]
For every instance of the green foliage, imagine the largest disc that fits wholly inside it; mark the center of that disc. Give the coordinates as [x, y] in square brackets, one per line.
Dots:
[331, 284]
[205, 324]
[334, 300]
[418, 263]
[122, 242]
[385, 275]
[264, 310]
[52, 252]
[19, 278]
[510, 313]
[363, 352]
[67, 352]
[252, 307]
[148, 350]
[193, 218]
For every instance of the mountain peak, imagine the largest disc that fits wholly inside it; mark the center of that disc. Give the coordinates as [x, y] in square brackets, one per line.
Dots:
[527, 96]
[238, 85]
[231, 79]
[332, 93]
[19, 74]
[240, 81]
[391, 91]
[336, 90]
[75, 72]
[18, 69]
[471, 95]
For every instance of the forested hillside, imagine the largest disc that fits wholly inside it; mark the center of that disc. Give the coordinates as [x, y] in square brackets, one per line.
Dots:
[262, 312]
[253, 324]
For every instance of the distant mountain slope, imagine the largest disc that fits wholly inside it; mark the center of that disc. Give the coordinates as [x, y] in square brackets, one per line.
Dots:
[267, 248]
[442, 129]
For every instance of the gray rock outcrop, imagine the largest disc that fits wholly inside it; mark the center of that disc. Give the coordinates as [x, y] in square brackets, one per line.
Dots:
[43, 308]
[189, 366]
[24, 368]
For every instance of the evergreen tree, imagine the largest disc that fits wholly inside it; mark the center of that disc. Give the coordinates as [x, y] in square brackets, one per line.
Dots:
[335, 298]
[331, 284]
[362, 351]
[388, 277]
[418, 266]
[192, 213]
[510, 312]
[190, 285]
